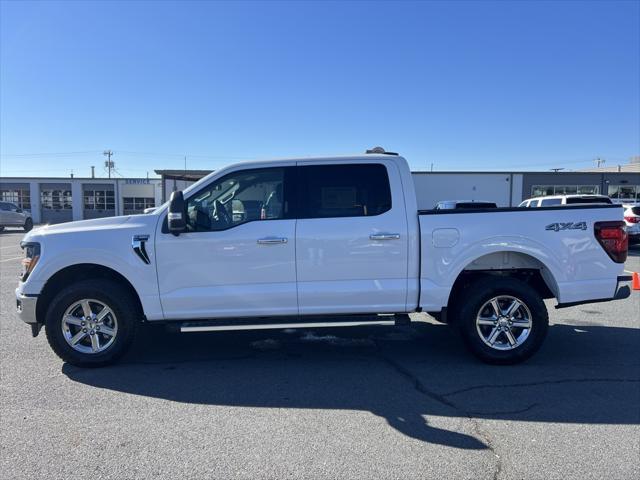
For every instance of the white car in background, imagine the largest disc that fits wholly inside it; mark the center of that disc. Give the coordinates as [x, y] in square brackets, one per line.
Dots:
[558, 200]
[13, 216]
[632, 219]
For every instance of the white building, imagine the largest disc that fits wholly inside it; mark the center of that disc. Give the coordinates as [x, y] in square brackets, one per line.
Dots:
[55, 200]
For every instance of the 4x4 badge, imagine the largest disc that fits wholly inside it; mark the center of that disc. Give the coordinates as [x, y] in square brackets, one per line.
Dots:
[556, 227]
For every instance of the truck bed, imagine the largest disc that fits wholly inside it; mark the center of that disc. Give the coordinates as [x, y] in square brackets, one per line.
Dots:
[558, 241]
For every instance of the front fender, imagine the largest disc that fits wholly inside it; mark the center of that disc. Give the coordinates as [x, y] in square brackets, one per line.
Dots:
[107, 248]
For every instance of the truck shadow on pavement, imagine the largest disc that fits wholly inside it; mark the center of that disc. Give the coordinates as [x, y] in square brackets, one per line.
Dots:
[410, 376]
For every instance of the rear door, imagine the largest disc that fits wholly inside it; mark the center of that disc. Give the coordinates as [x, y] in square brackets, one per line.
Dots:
[351, 238]
[5, 214]
[8, 214]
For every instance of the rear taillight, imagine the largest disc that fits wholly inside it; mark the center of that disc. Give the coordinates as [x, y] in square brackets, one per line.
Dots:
[632, 219]
[613, 237]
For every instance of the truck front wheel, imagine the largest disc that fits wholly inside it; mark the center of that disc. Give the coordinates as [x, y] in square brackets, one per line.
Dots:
[502, 320]
[91, 323]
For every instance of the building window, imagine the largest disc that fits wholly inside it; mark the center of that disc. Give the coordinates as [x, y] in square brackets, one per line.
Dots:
[624, 193]
[545, 190]
[138, 203]
[99, 200]
[55, 199]
[20, 196]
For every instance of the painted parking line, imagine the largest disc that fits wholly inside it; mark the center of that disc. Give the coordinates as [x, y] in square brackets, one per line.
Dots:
[9, 259]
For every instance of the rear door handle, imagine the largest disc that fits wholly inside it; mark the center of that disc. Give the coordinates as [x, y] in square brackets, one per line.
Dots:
[384, 236]
[271, 240]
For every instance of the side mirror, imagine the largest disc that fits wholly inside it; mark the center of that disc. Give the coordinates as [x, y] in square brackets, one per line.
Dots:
[176, 221]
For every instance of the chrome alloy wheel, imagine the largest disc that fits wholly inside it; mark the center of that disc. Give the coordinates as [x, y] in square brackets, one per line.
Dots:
[504, 322]
[89, 326]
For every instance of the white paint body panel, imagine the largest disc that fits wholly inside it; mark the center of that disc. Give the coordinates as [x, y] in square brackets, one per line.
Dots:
[330, 265]
[341, 269]
[574, 264]
[105, 242]
[227, 273]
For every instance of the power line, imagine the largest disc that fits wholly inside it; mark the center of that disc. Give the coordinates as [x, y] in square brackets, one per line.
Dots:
[44, 154]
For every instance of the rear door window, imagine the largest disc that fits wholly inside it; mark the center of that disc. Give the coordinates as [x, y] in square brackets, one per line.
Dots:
[352, 190]
[550, 202]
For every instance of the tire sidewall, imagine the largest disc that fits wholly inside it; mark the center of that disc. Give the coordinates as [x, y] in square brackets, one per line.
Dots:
[482, 291]
[111, 295]
[28, 225]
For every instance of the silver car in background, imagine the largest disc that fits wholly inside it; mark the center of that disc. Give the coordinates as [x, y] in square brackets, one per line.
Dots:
[13, 216]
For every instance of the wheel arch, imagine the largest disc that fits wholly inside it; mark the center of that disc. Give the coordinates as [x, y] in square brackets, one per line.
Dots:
[507, 263]
[79, 272]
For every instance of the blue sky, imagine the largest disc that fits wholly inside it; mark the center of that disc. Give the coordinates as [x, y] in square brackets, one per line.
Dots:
[462, 85]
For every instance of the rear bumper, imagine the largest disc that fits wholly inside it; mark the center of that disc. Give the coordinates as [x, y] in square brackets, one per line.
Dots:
[622, 292]
[26, 307]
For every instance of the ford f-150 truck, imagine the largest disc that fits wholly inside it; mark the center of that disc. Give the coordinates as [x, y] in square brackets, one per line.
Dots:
[322, 241]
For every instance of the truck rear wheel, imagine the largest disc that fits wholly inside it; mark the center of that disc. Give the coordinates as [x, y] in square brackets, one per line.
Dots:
[502, 320]
[91, 323]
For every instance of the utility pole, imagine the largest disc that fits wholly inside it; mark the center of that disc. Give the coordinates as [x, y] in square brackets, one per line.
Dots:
[599, 161]
[93, 171]
[109, 164]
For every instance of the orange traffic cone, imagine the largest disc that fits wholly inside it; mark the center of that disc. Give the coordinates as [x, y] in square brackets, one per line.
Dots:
[635, 284]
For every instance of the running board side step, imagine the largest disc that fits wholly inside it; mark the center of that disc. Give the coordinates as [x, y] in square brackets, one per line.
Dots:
[226, 325]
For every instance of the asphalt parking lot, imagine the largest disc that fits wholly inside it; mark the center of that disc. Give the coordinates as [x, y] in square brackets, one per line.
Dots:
[366, 402]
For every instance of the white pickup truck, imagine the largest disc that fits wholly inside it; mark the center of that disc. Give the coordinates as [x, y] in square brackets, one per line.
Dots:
[311, 242]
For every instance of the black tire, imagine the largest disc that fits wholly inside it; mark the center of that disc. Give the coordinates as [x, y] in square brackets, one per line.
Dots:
[1, 229]
[477, 295]
[28, 225]
[118, 299]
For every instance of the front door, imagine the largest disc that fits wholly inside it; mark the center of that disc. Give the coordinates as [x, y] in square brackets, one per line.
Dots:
[237, 258]
[351, 238]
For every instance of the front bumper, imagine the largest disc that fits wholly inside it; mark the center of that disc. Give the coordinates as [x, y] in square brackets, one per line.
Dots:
[26, 307]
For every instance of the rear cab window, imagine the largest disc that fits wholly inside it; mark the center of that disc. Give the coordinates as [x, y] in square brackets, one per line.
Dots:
[475, 205]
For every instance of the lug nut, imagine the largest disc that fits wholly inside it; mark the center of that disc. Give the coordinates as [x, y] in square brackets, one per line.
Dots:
[83, 323]
[84, 330]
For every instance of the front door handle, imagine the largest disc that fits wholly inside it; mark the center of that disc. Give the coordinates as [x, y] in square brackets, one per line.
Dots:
[384, 236]
[271, 240]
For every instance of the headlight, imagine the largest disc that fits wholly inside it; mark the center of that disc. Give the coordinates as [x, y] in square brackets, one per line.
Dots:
[31, 257]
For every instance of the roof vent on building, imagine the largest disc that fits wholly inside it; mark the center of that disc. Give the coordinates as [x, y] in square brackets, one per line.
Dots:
[380, 150]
